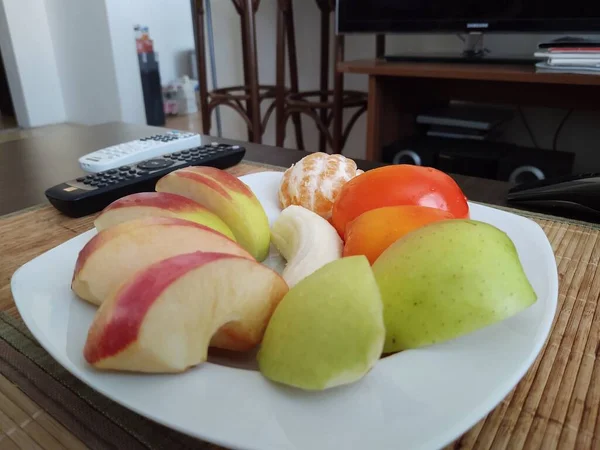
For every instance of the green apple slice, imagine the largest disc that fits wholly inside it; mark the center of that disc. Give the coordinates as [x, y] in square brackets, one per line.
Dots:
[328, 330]
[448, 279]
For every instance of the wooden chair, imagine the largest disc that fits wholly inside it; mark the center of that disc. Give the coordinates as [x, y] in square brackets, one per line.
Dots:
[324, 106]
[248, 98]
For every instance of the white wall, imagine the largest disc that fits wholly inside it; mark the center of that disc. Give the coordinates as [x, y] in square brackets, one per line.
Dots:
[121, 20]
[10, 66]
[170, 26]
[84, 59]
[31, 62]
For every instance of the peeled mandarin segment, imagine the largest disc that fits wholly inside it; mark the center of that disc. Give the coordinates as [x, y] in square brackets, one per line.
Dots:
[315, 182]
[375, 230]
[394, 186]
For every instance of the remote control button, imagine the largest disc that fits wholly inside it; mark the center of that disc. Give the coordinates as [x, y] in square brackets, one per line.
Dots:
[124, 168]
[111, 171]
[154, 164]
[129, 176]
[94, 183]
[80, 179]
[101, 185]
[185, 152]
[176, 154]
[132, 171]
[212, 152]
[87, 181]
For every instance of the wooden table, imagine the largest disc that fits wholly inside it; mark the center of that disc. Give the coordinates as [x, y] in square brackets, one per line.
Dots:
[556, 404]
[399, 90]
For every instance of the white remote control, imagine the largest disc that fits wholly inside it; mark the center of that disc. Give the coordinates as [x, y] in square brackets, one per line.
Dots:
[139, 150]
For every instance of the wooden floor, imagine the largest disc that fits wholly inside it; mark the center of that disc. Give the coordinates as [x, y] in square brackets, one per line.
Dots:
[188, 122]
[9, 130]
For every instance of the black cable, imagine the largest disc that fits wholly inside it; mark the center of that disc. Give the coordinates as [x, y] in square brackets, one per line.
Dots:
[559, 129]
[526, 123]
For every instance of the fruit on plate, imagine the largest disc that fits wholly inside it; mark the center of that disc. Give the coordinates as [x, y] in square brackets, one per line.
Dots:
[114, 254]
[328, 330]
[315, 182]
[375, 230]
[447, 279]
[159, 204]
[227, 197]
[306, 241]
[396, 185]
[164, 317]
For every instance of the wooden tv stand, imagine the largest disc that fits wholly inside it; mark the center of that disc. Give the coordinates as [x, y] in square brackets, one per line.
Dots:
[400, 90]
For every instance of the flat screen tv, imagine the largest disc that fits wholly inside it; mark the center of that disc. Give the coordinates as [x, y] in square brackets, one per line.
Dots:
[409, 16]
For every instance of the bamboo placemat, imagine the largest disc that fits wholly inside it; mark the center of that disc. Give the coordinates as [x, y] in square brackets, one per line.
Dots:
[556, 404]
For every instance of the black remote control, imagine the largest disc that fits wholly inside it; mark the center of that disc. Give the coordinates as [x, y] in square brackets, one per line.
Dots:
[91, 193]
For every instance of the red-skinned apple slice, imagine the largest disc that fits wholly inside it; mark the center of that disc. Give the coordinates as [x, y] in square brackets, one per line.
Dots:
[159, 204]
[114, 254]
[164, 317]
[229, 198]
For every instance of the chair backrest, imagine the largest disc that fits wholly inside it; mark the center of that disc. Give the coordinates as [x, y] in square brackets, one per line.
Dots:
[240, 5]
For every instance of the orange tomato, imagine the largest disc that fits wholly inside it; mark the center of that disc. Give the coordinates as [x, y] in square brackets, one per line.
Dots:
[375, 230]
[397, 185]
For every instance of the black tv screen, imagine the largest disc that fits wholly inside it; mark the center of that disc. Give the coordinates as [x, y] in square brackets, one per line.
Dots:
[398, 16]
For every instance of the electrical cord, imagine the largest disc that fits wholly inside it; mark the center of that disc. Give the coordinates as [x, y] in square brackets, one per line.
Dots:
[559, 129]
[526, 123]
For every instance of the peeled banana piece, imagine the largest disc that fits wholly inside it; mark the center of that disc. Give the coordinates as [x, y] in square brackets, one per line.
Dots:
[306, 241]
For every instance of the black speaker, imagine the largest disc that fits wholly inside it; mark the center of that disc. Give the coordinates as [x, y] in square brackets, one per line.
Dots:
[522, 165]
[484, 159]
[481, 162]
[414, 151]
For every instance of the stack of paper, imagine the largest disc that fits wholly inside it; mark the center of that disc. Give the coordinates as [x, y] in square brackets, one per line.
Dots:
[585, 60]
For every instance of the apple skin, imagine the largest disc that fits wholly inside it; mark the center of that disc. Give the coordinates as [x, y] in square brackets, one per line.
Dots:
[114, 254]
[328, 330]
[163, 319]
[229, 198]
[159, 204]
[447, 279]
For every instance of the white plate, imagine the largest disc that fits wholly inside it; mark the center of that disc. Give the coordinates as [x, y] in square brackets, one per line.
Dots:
[419, 399]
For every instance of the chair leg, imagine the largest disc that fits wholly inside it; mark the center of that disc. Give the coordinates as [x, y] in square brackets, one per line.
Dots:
[324, 82]
[246, 67]
[338, 89]
[294, 85]
[201, 66]
[280, 75]
[254, 109]
[380, 46]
